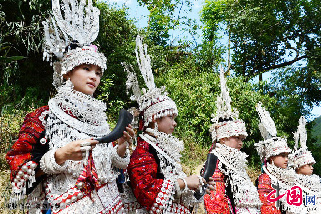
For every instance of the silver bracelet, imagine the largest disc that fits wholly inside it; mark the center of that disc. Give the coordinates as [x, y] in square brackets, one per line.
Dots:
[201, 183]
[185, 183]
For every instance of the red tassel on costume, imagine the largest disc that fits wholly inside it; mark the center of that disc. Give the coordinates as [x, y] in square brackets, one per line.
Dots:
[88, 179]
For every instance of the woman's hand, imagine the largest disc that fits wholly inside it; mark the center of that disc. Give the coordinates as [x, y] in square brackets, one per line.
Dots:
[74, 150]
[210, 185]
[127, 137]
[193, 182]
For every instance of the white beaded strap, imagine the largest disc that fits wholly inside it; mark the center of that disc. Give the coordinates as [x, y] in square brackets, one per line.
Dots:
[164, 197]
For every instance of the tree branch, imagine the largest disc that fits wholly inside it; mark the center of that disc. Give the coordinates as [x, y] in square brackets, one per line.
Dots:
[284, 63]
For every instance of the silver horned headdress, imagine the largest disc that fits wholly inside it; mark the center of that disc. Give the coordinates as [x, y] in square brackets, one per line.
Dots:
[226, 122]
[69, 33]
[153, 102]
[301, 156]
[271, 145]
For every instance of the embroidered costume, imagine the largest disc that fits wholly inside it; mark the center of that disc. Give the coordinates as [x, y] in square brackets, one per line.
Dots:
[310, 184]
[23, 158]
[234, 192]
[88, 185]
[71, 187]
[153, 172]
[264, 189]
[274, 180]
[155, 164]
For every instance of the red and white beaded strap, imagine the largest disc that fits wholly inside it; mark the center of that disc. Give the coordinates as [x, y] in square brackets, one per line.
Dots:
[71, 196]
[132, 206]
[163, 197]
[118, 208]
[179, 208]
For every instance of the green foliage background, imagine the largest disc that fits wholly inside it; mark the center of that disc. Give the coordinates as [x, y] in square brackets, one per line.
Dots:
[189, 72]
[279, 36]
[316, 130]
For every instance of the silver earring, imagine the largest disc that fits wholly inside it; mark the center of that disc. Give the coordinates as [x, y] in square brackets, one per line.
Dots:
[156, 126]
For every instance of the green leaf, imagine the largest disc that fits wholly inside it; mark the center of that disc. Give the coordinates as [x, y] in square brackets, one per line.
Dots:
[4, 59]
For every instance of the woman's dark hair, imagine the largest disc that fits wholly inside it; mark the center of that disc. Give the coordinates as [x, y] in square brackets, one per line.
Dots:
[225, 119]
[73, 45]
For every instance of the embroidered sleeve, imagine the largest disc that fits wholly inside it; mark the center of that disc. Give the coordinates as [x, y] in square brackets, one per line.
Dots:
[49, 165]
[217, 201]
[264, 188]
[120, 162]
[151, 192]
[24, 156]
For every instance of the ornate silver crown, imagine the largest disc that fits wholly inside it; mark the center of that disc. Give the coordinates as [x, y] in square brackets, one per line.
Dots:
[301, 156]
[226, 122]
[271, 145]
[69, 33]
[153, 102]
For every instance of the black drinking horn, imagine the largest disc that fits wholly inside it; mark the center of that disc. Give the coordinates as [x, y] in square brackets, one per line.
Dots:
[124, 119]
[209, 170]
[210, 166]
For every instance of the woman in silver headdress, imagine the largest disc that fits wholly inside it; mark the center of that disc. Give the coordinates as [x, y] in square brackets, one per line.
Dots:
[234, 191]
[301, 160]
[56, 161]
[155, 171]
[277, 179]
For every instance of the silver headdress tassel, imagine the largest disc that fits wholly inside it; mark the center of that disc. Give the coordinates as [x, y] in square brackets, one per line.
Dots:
[226, 123]
[69, 33]
[153, 102]
[301, 156]
[271, 145]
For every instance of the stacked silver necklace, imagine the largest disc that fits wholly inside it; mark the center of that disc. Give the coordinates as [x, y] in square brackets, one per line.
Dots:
[168, 149]
[244, 192]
